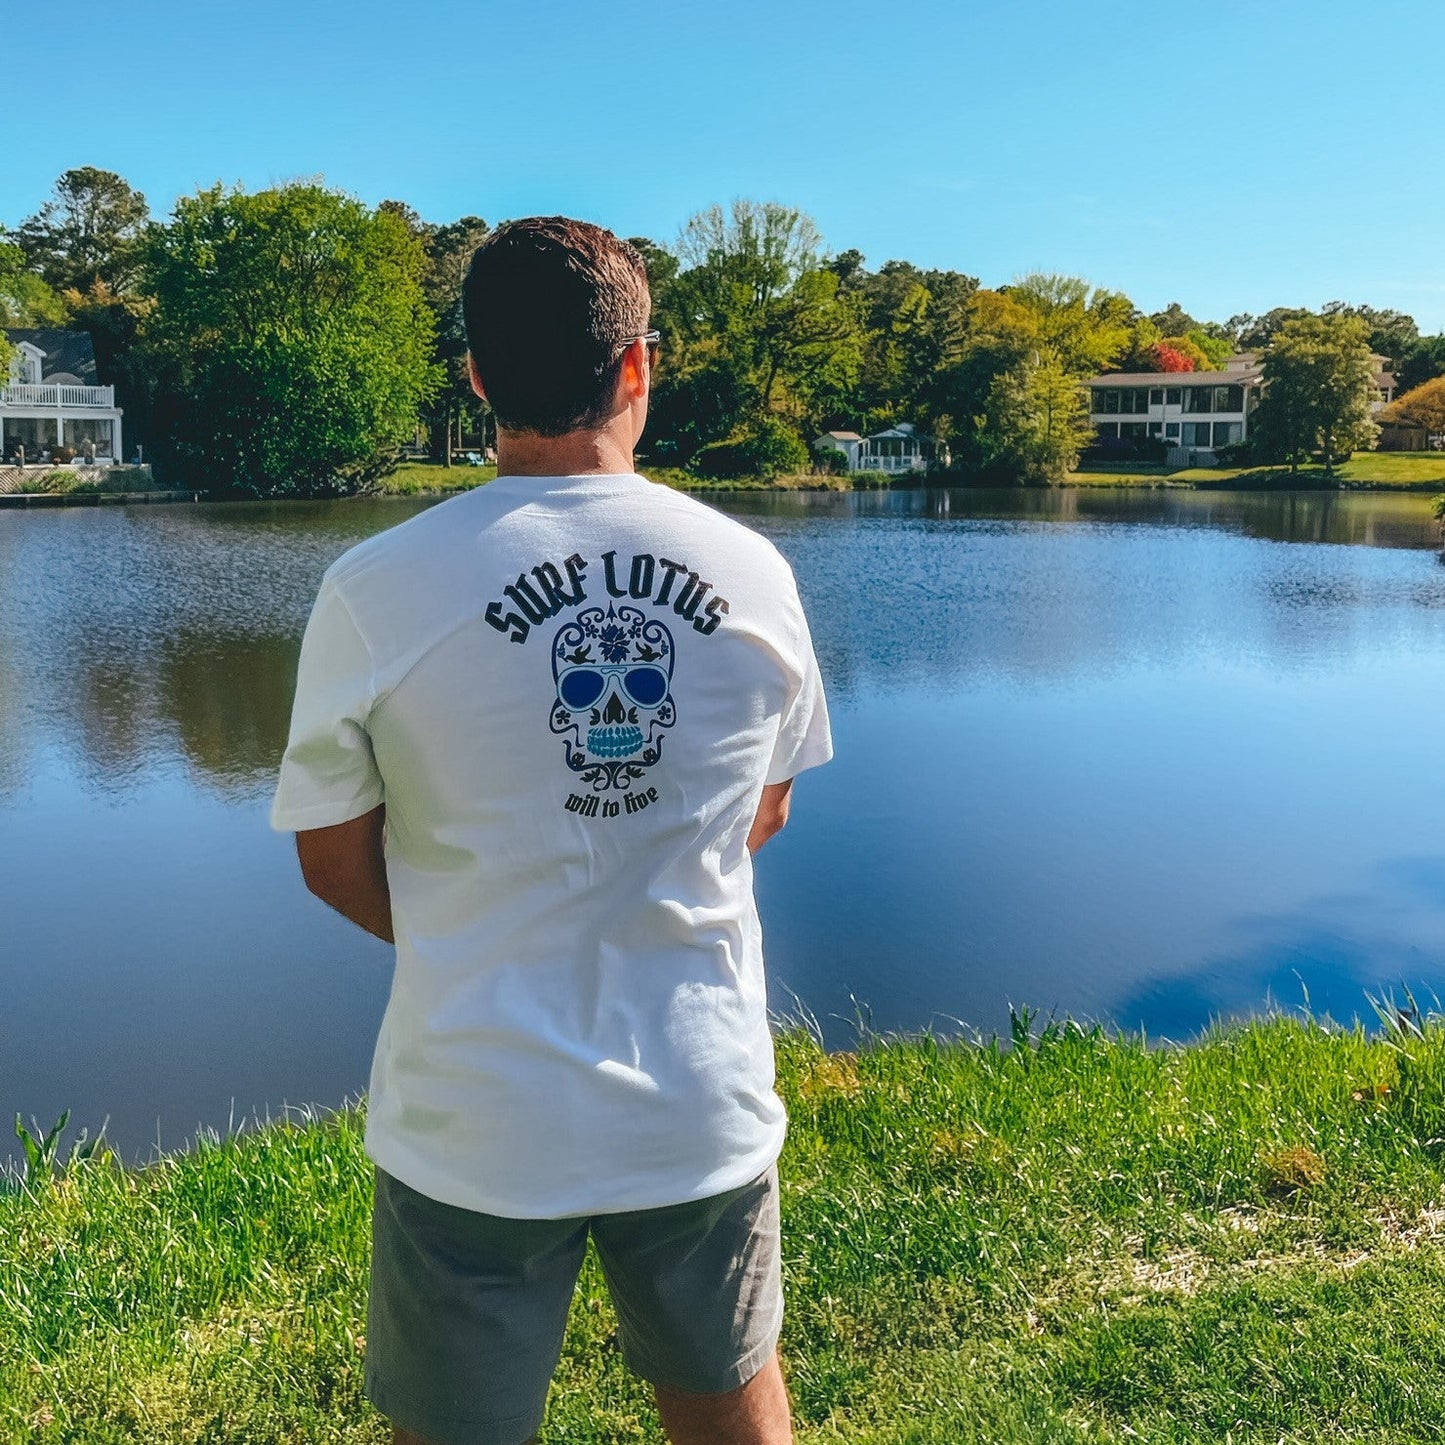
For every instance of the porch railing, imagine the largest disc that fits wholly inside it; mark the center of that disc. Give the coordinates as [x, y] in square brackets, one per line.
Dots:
[24, 393]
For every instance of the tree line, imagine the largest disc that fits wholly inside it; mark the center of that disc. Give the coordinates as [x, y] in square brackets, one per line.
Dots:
[292, 340]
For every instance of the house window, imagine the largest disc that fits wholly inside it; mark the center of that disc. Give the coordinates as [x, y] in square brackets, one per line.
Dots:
[1198, 398]
[1133, 428]
[1171, 395]
[1171, 429]
[1228, 398]
[1196, 433]
[1108, 428]
[36, 434]
[99, 431]
[1111, 401]
[1139, 397]
[1156, 396]
[1226, 432]
[1155, 428]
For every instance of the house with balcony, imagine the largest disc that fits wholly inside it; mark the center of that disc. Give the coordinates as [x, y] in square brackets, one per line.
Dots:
[51, 400]
[1193, 413]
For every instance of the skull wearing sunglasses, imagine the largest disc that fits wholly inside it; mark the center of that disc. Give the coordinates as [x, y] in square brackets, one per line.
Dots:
[613, 672]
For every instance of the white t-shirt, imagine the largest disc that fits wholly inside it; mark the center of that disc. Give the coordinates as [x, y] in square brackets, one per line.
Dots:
[569, 693]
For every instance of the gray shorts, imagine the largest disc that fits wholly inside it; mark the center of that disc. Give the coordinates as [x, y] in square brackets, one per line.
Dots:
[466, 1311]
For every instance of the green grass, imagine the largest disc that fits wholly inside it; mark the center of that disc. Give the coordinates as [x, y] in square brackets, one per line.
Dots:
[413, 479]
[1081, 1239]
[426, 478]
[1408, 471]
[97, 481]
[1141, 474]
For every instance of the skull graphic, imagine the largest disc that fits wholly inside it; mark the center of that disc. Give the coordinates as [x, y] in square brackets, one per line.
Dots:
[613, 672]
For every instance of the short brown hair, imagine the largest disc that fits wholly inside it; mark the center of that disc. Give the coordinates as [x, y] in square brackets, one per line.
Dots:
[547, 302]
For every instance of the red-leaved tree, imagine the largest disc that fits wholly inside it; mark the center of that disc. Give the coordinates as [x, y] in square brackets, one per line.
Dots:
[1167, 358]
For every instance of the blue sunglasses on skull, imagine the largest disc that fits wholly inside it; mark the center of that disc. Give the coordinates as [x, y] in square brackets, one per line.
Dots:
[580, 687]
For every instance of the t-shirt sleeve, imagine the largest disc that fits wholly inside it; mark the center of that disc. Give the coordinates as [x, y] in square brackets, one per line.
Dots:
[805, 739]
[328, 773]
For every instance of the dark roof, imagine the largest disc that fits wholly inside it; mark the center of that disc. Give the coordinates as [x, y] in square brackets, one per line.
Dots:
[68, 352]
[1177, 378]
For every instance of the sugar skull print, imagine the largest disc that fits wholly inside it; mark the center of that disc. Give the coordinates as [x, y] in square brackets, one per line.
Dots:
[613, 671]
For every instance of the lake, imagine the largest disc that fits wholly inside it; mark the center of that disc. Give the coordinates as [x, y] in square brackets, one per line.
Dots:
[1147, 758]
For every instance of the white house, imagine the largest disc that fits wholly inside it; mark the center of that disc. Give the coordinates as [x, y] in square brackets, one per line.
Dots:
[847, 442]
[1191, 412]
[895, 449]
[51, 399]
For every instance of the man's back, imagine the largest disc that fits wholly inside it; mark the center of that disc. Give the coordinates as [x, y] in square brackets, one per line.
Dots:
[573, 691]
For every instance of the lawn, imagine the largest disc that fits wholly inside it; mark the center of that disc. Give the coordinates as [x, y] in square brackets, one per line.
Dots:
[1410, 471]
[426, 478]
[412, 479]
[1079, 1238]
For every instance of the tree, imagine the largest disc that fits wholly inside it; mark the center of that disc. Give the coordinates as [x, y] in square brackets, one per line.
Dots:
[25, 299]
[1425, 361]
[1174, 320]
[449, 249]
[1167, 356]
[1259, 331]
[1035, 421]
[756, 326]
[116, 324]
[90, 230]
[661, 265]
[1088, 330]
[1392, 334]
[292, 336]
[1318, 388]
[1421, 406]
[763, 448]
[1213, 344]
[914, 326]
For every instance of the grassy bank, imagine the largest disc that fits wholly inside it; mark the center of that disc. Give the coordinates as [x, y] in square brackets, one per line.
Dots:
[92, 481]
[1081, 1239]
[420, 479]
[427, 478]
[1395, 471]
[1392, 471]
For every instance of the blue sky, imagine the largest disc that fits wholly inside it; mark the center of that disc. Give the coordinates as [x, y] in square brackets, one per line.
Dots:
[1230, 156]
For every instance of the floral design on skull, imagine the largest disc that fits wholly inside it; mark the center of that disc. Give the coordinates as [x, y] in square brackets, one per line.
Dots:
[613, 674]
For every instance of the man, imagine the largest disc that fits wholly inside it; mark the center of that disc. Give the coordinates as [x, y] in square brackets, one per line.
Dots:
[538, 733]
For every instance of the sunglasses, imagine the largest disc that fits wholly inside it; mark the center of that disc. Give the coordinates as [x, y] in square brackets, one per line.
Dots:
[652, 338]
[581, 687]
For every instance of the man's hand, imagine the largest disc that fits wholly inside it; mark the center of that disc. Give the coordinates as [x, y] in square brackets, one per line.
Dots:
[345, 866]
[772, 814]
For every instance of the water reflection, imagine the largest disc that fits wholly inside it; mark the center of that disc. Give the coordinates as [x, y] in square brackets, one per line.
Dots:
[1333, 955]
[1113, 753]
[231, 701]
[131, 640]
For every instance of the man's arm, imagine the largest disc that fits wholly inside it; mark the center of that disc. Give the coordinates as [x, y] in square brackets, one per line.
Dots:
[772, 814]
[345, 866]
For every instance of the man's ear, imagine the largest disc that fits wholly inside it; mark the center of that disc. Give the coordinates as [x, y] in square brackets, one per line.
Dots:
[634, 377]
[476, 380]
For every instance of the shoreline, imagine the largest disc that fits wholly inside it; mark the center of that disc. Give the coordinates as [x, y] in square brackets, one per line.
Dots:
[412, 480]
[21, 501]
[1068, 1236]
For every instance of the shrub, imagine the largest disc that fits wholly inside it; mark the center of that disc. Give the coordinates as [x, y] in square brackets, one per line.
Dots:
[1125, 449]
[762, 449]
[832, 461]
